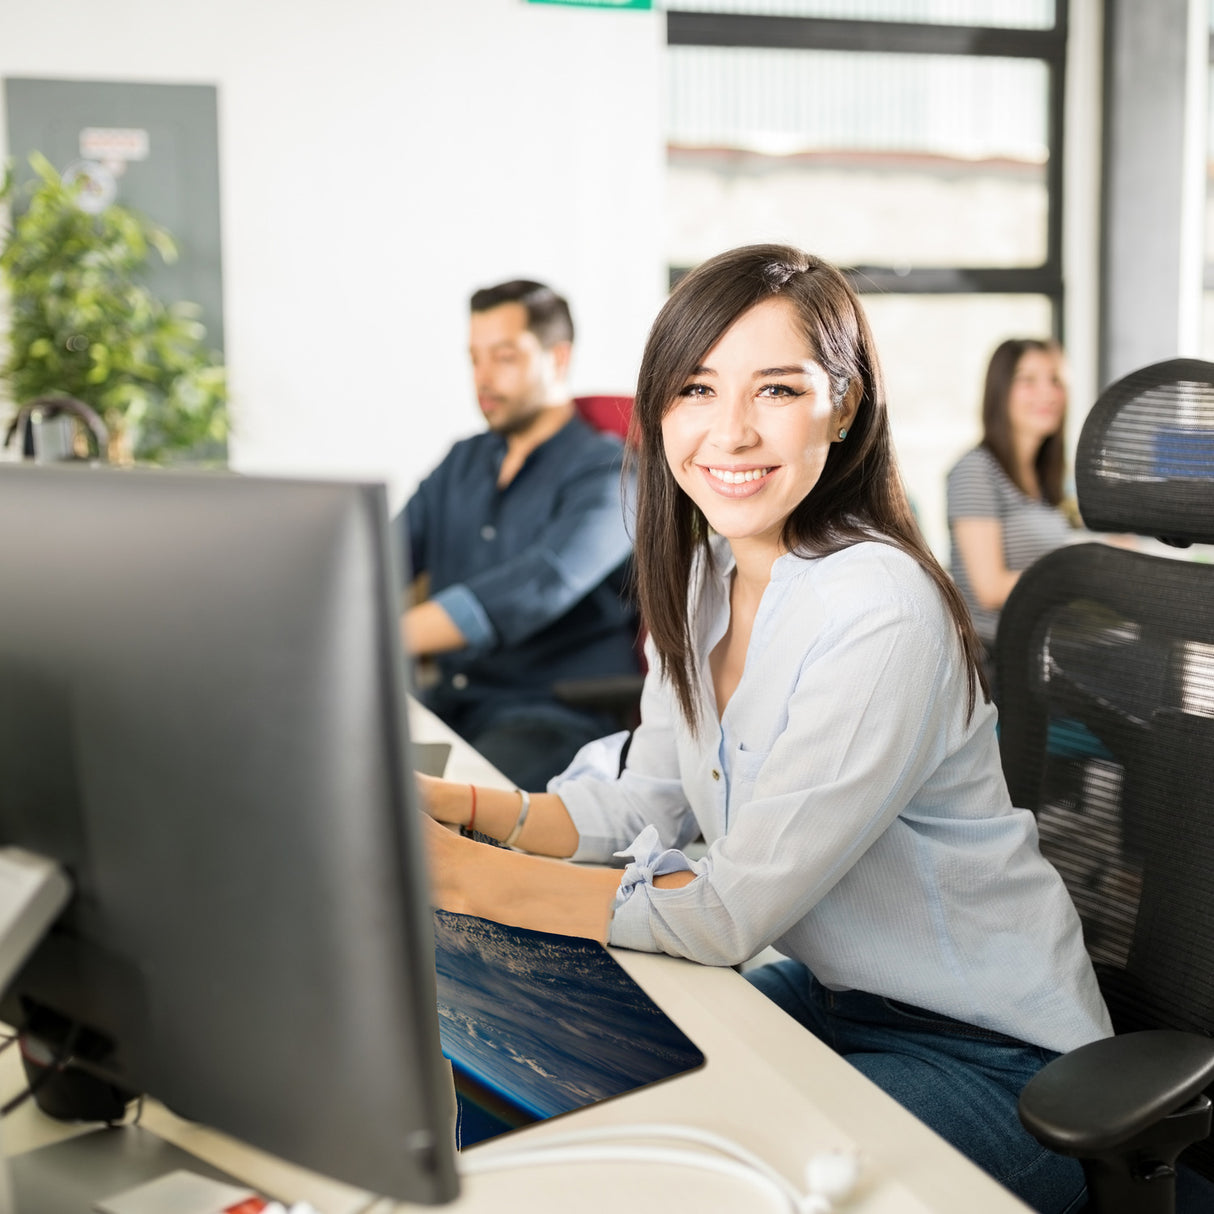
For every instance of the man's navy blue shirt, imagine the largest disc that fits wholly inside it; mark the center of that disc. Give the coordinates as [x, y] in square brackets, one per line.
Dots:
[533, 574]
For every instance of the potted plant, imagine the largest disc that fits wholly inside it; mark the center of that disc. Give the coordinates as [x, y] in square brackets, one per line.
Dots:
[82, 325]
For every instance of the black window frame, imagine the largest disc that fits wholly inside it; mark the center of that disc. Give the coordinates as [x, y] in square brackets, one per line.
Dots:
[1207, 284]
[1047, 44]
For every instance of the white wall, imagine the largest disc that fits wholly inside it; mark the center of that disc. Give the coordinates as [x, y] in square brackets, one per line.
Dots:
[379, 160]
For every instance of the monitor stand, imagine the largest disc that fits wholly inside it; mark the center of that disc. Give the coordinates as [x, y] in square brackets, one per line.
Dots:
[67, 1177]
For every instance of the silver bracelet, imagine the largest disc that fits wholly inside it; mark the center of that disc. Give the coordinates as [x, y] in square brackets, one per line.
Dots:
[512, 837]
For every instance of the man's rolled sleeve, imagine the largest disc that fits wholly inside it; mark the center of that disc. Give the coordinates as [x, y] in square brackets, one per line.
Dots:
[469, 617]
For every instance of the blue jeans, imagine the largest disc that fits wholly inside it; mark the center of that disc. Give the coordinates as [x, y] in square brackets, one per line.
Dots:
[960, 1080]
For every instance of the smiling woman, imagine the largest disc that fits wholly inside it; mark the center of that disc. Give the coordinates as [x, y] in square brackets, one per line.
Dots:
[746, 439]
[813, 712]
[747, 436]
[771, 311]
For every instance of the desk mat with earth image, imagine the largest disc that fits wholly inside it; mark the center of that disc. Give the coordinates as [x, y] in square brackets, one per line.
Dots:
[536, 1024]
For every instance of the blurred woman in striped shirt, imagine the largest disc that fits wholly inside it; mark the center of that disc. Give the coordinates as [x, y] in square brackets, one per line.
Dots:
[1005, 497]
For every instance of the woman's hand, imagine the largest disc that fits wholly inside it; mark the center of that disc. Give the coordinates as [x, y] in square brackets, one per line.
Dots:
[494, 812]
[445, 800]
[445, 855]
[471, 878]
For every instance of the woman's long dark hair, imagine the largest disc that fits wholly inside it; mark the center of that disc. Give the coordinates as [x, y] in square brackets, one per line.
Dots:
[859, 495]
[1050, 464]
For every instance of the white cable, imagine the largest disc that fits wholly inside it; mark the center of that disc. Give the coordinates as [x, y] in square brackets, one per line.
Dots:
[702, 1137]
[829, 1181]
[698, 1160]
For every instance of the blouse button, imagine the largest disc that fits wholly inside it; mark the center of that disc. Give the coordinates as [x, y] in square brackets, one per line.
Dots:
[716, 775]
[459, 681]
[488, 531]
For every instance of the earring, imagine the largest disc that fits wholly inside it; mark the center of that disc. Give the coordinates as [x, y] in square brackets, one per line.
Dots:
[842, 433]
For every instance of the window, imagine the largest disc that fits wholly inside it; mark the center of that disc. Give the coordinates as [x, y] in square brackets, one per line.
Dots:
[915, 143]
[1008, 14]
[1207, 312]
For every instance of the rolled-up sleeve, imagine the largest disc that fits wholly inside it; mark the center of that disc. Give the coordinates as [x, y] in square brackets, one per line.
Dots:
[468, 616]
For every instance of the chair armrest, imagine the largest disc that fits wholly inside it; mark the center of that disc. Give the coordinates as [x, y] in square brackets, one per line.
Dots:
[1103, 1094]
[613, 693]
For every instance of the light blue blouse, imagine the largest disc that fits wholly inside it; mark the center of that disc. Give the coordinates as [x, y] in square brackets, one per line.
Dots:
[855, 818]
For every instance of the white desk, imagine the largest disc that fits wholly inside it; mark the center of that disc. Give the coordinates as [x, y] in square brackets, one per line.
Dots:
[767, 1084]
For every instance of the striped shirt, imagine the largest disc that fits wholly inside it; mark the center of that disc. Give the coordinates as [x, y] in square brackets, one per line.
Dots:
[856, 817]
[979, 488]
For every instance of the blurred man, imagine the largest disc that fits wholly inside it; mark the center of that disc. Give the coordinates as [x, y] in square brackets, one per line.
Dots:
[522, 534]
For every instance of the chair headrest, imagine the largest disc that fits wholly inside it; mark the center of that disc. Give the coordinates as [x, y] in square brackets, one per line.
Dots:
[1145, 460]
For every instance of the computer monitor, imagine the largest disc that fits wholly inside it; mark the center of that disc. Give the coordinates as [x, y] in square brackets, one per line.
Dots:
[202, 719]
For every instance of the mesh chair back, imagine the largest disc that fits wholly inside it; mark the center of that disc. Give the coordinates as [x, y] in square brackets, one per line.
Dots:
[1145, 461]
[1106, 668]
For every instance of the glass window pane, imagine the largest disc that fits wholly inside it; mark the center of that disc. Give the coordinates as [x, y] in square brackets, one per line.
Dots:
[1207, 311]
[928, 160]
[1007, 14]
[1207, 325]
[934, 350]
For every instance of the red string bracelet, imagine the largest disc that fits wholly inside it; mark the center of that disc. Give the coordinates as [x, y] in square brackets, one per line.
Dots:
[472, 817]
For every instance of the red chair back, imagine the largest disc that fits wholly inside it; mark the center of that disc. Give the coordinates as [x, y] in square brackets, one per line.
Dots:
[611, 414]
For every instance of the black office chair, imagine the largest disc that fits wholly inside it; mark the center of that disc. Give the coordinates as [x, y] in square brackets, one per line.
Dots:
[55, 428]
[1105, 660]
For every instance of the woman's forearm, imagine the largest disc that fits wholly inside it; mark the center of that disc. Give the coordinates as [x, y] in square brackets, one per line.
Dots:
[548, 830]
[550, 895]
[980, 543]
